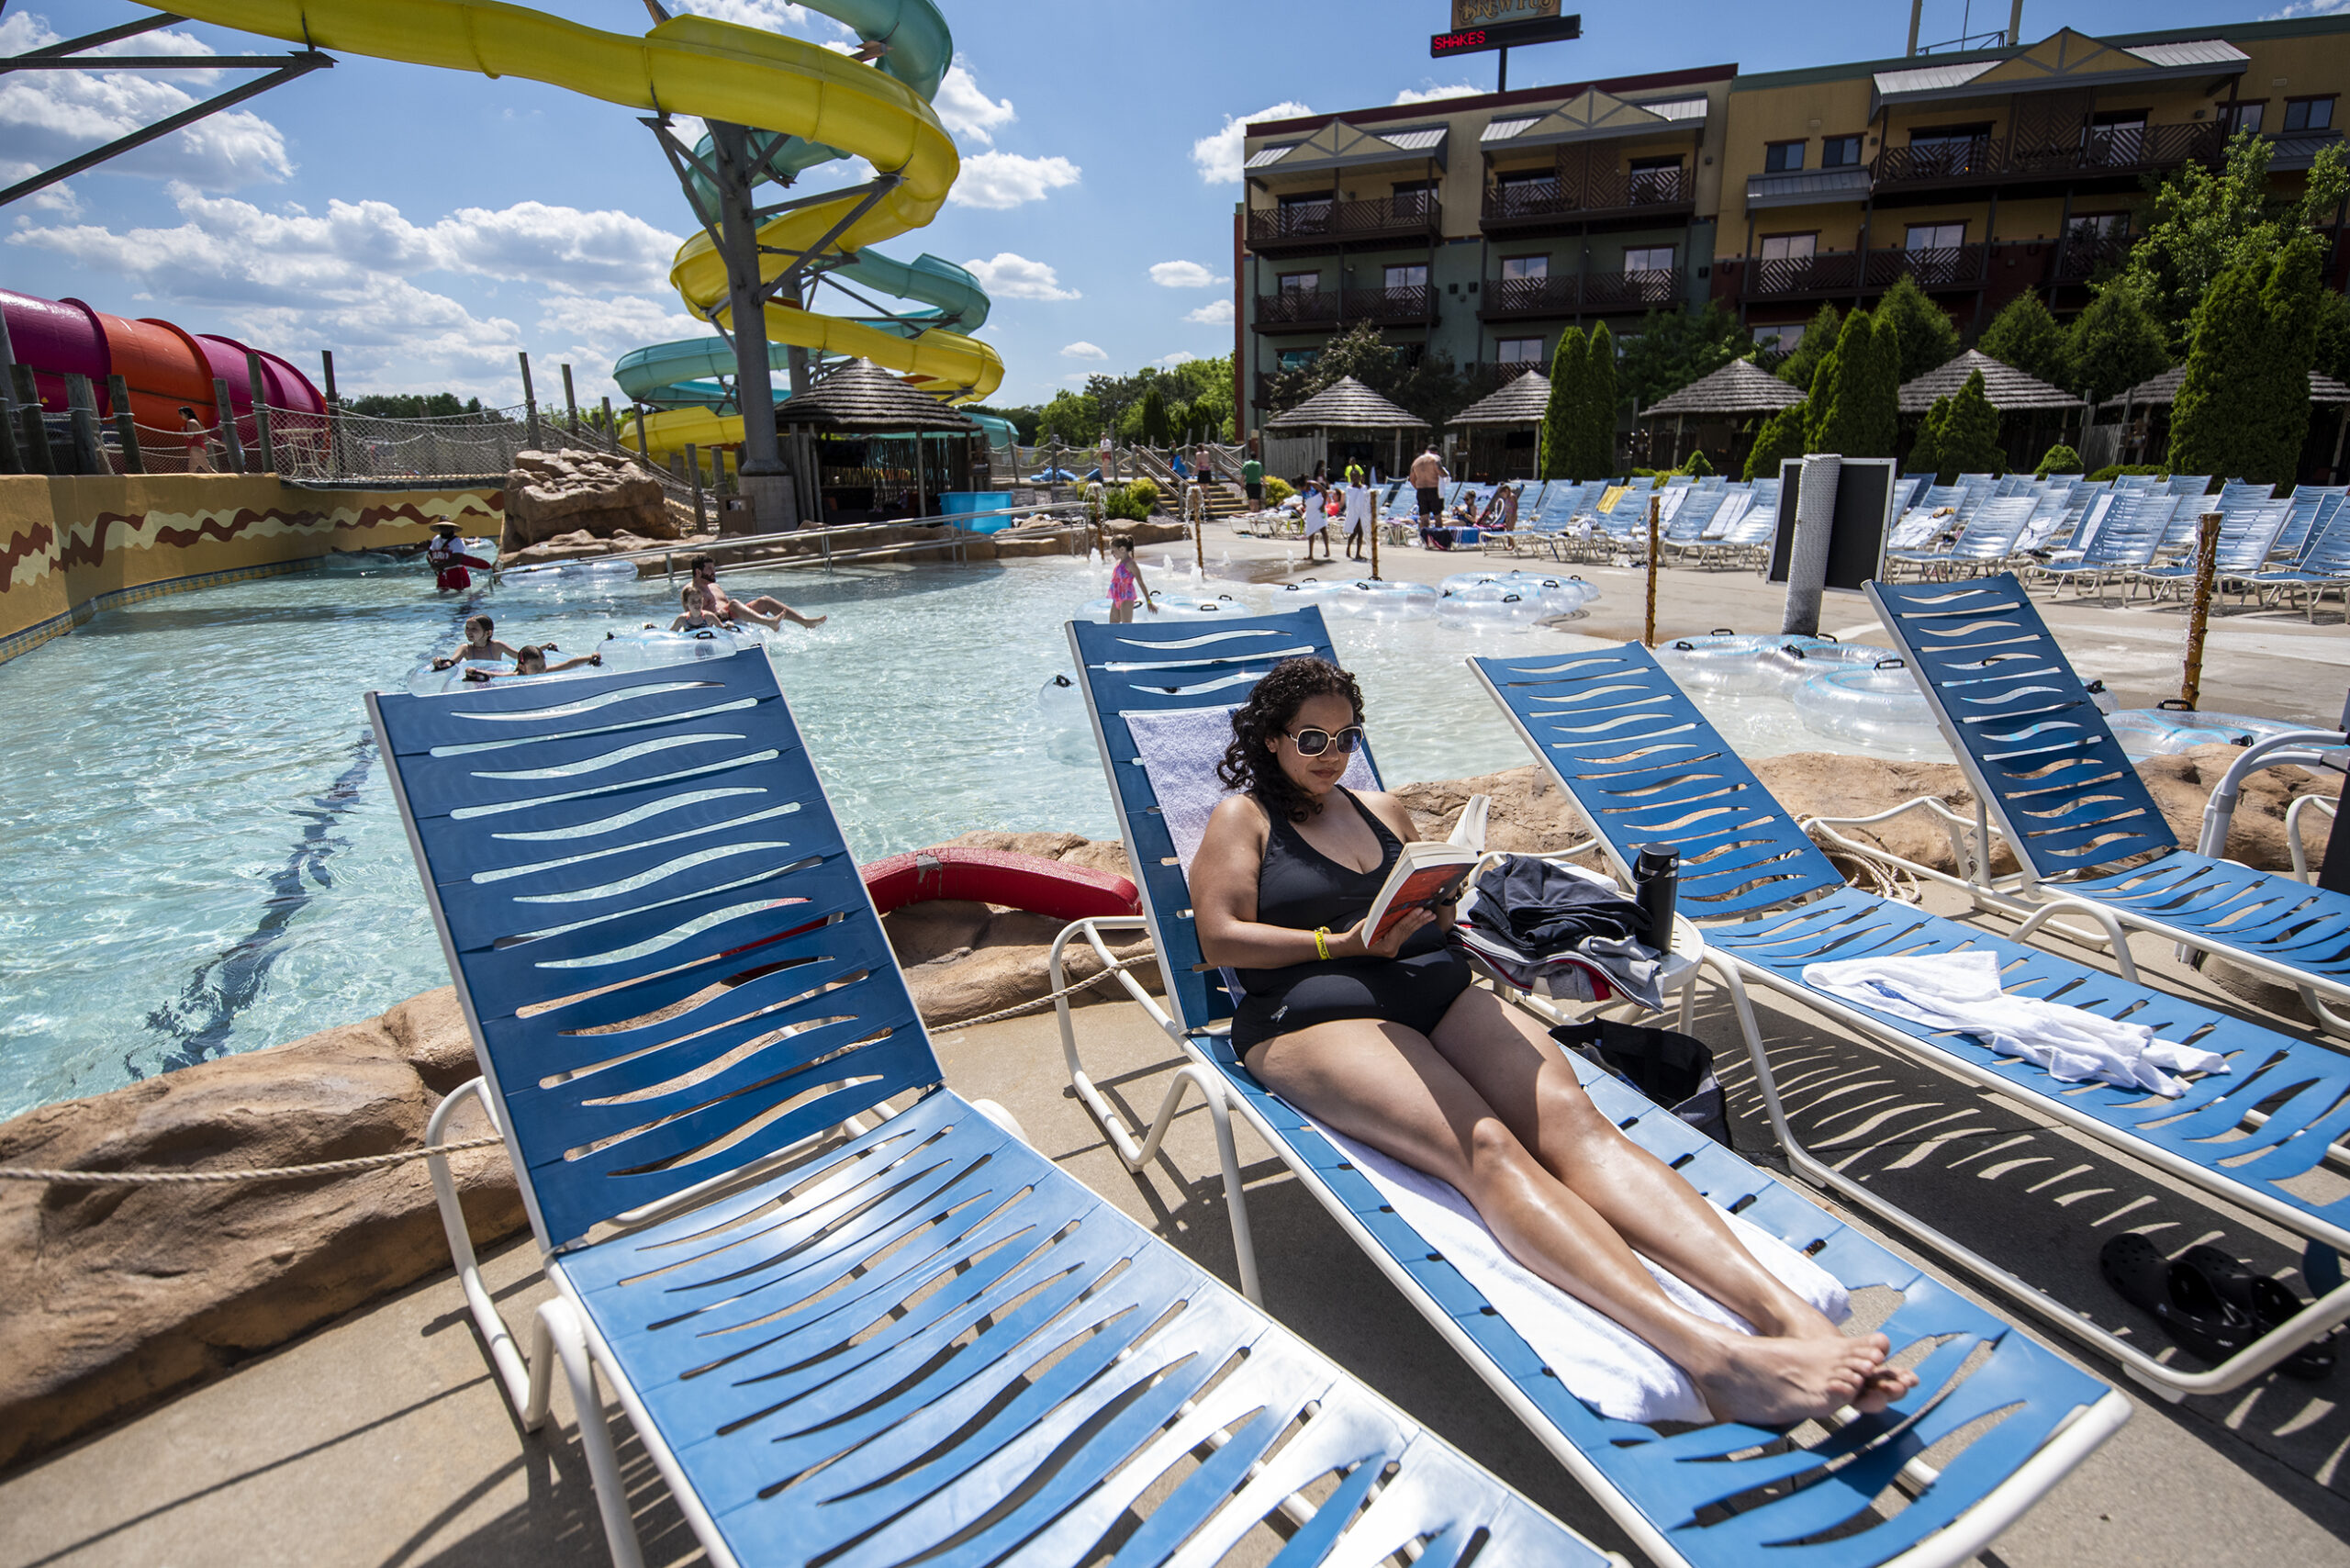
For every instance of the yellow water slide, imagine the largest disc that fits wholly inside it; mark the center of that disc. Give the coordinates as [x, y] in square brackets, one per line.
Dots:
[692, 65]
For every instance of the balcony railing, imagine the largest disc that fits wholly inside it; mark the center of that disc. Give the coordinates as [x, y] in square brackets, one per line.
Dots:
[1297, 307]
[2116, 151]
[1578, 193]
[1342, 222]
[1847, 272]
[1304, 309]
[1639, 289]
[1412, 304]
[2083, 254]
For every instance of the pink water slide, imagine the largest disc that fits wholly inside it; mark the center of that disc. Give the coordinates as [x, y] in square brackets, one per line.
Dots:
[165, 367]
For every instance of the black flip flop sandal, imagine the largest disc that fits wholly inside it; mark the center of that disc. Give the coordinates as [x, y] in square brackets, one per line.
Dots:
[2269, 1303]
[2184, 1301]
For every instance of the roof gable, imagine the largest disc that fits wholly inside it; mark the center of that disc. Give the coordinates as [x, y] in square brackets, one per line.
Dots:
[1340, 144]
[1592, 115]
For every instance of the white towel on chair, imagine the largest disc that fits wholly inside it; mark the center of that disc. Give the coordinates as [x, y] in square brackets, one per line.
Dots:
[1180, 751]
[1599, 1360]
[1960, 992]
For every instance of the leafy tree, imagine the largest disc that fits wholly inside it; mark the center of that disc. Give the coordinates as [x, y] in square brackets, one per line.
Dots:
[1556, 452]
[1674, 348]
[1072, 418]
[1925, 452]
[414, 406]
[2206, 222]
[1799, 368]
[1854, 399]
[1928, 338]
[1596, 405]
[2057, 459]
[2243, 408]
[1782, 436]
[1969, 437]
[1024, 419]
[2116, 343]
[2025, 337]
[1428, 386]
[2333, 334]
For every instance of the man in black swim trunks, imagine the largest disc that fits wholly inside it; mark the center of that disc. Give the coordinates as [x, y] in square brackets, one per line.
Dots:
[1428, 479]
[1390, 1044]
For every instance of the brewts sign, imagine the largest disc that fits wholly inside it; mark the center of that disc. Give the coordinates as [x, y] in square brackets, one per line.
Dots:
[1537, 21]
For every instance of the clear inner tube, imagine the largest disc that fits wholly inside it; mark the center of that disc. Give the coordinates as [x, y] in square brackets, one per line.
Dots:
[650, 648]
[1171, 606]
[1563, 595]
[1877, 706]
[2167, 731]
[557, 574]
[1760, 666]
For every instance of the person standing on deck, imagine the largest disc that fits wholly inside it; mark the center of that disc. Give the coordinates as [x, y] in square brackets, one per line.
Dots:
[199, 442]
[1428, 479]
[1252, 479]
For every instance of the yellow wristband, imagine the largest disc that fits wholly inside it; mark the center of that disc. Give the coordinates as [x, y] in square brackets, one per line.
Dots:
[1322, 941]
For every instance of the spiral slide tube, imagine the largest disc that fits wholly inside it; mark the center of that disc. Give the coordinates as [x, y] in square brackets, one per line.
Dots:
[693, 65]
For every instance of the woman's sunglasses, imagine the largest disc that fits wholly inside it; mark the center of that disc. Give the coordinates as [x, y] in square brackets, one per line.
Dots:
[1314, 743]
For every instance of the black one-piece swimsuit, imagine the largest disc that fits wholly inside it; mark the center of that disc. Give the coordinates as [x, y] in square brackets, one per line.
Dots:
[1301, 888]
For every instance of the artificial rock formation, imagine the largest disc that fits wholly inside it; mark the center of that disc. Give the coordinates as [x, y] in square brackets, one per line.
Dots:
[597, 493]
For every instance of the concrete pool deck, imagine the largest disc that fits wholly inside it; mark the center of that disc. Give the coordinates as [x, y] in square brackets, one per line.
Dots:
[381, 1439]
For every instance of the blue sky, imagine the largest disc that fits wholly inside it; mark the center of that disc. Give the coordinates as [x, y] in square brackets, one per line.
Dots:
[426, 225]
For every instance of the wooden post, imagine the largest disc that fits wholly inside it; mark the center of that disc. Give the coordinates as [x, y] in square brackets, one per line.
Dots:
[693, 467]
[718, 469]
[1374, 543]
[643, 445]
[2207, 567]
[570, 400]
[264, 449]
[33, 449]
[12, 458]
[1656, 553]
[82, 409]
[126, 427]
[611, 430]
[224, 414]
[1199, 525]
[530, 403]
[334, 417]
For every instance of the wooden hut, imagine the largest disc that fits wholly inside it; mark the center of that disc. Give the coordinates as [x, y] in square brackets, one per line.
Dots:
[2032, 414]
[878, 448]
[1504, 430]
[1345, 422]
[2145, 418]
[1727, 404]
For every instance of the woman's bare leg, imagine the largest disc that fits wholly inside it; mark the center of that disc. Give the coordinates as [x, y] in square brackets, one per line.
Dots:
[1389, 1087]
[1509, 1060]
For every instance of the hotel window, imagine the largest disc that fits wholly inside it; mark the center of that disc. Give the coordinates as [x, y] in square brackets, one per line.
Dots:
[1782, 157]
[1934, 237]
[1647, 258]
[1298, 359]
[1404, 280]
[1838, 151]
[1518, 350]
[1656, 179]
[1526, 190]
[1413, 197]
[1942, 152]
[2118, 135]
[1790, 247]
[2309, 113]
[2243, 117]
[1781, 337]
[1515, 267]
[1305, 213]
[1301, 283]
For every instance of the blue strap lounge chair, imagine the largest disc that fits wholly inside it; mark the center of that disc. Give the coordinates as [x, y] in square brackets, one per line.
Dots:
[2056, 785]
[1645, 765]
[1671, 1493]
[846, 1330]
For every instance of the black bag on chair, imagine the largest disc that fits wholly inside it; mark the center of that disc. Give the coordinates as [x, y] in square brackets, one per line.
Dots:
[1676, 1070]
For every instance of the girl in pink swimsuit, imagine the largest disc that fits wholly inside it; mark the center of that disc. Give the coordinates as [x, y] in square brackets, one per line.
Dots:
[1125, 583]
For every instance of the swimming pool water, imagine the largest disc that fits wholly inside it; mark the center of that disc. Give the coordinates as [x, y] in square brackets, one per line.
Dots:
[205, 856]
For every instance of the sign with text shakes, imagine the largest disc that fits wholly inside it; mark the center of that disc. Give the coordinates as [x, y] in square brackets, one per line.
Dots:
[1533, 29]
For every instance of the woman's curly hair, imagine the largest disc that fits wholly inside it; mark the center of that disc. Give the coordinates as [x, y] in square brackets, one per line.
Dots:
[1247, 762]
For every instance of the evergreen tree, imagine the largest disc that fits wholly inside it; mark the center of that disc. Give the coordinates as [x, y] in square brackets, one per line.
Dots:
[1799, 367]
[2115, 344]
[2243, 408]
[1154, 418]
[1596, 405]
[1926, 453]
[1884, 388]
[1696, 465]
[2025, 337]
[1782, 436]
[1557, 437]
[1854, 399]
[2057, 459]
[1969, 438]
[1928, 338]
[2332, 333]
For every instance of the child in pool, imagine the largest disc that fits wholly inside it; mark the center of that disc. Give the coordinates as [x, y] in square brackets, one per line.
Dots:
[1125, 583]
[531, 659]
[695, 614]
[481, 642]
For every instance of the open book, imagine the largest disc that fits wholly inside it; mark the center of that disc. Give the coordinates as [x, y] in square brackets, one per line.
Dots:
[1426, 875]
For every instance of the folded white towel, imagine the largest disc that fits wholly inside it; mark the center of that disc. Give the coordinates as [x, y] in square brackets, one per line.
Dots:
[1961, 991]
[1599, 1360]
[1180, 751]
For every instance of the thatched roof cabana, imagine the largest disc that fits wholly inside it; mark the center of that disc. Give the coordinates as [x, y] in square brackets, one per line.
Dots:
[1736, 390]
[1521, 402]
[1504, 429]
[1345, 404]
[1346, 421]
[862, 396]
[2009, 390]
[2163, 388]
[868, 446]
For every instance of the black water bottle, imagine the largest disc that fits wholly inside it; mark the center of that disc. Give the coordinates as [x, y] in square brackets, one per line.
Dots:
[1656, 883]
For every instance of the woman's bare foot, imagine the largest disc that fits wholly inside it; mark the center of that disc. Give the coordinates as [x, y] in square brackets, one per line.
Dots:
[1776, 1380]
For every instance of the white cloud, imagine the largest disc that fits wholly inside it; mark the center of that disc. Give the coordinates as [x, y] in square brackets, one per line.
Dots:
[1009, 276]
[1183, 274]
[1082, 350]
[772, 16]
[968, 111]
[1218, 156]
[292, 282]
[1168, 361]
[47, 117]
[1430, 95]
[2308, 8]
[1214, 313]
[999, 179]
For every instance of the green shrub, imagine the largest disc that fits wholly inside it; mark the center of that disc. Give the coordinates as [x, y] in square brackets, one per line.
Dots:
[1780, 437]
[1276, 490]
[2113, 471]
[1696, 465]
[2057, 459]
[1144, 491]
[1130, 502]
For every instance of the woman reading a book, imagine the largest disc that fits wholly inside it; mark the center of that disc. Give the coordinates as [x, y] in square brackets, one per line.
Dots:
[1379, 1035]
